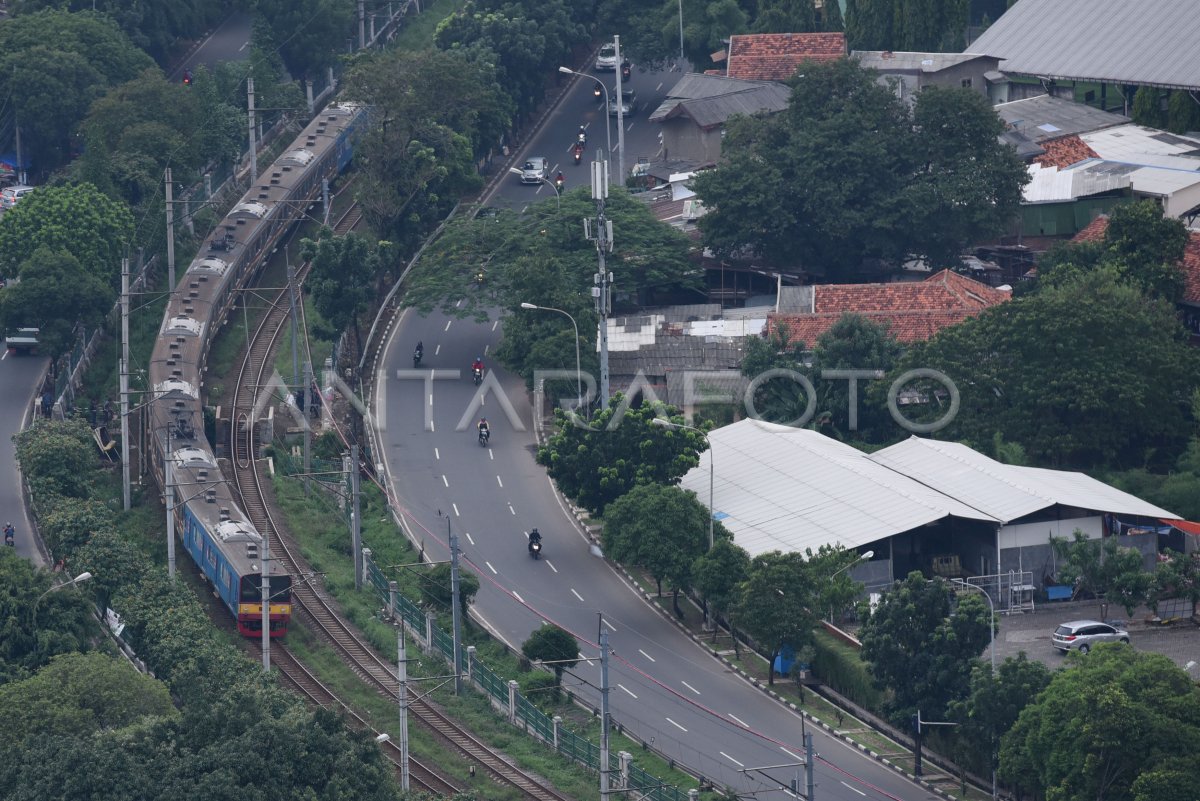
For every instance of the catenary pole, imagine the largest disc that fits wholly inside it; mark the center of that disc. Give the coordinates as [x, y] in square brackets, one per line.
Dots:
[125, 489]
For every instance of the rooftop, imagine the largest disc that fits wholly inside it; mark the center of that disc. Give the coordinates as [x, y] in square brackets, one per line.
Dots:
[889, 61]
[776, 56]
[1046, 117]
[1109, 41]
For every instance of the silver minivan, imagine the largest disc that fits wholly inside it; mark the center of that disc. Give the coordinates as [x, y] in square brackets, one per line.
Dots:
[1081, 635]
[11, 194]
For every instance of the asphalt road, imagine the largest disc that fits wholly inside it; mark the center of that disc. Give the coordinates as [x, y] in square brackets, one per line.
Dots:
[556, 138]
[665, 690]
[229, 41]
[20, 378]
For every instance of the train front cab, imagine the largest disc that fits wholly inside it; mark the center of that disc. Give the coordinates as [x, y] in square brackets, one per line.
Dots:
[249, 617]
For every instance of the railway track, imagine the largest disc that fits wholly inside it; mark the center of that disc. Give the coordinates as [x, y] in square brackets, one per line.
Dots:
[317, 609]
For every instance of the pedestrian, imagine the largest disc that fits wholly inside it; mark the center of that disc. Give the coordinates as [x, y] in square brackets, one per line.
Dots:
[10, 534]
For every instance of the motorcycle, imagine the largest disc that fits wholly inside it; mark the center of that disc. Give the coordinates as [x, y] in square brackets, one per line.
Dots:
[417, 354]
[559, 182]
[578, 153]
[484, 435]
[535, 548]
[582, 138]
[478, 374]
[626, 71]
[597, 92]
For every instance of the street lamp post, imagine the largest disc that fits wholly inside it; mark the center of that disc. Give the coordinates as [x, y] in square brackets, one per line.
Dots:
[607, 126]
[546, 181]
[658, 421]
[861, 558]
[992, 651]
[578, 372]
[82, 577]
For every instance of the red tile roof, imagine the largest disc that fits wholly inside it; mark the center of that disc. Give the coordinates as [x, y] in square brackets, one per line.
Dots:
[913, 311]
[1064, 152]
[1094, 232]
[775, 56]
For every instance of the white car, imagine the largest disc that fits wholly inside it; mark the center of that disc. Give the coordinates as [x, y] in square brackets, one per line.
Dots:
[535, 170]
[10, 195]
[607, 60]
[1081, 635]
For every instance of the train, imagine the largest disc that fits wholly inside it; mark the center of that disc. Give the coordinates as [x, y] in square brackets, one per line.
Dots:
[215, 532]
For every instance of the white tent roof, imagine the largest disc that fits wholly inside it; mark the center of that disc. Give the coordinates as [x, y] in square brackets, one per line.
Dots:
[788, 489]
[1006, 492]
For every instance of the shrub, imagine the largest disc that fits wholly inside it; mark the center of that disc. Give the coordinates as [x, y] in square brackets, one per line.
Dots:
[838, 665]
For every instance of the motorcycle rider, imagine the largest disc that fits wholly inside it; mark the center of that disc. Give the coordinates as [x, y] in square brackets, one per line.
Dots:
[559, 180]
[582, 135]
[477, 365]
[485, 432]
[10, 535]
[419, 353]
[578, 152]
[535, 541]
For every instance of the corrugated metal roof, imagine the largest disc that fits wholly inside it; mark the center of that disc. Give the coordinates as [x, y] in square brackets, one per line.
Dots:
[1006, 492]
[887, 60]
[1050, 184]
[1135, 143]
[787, 489]
[1113, 41]
[1047, 117]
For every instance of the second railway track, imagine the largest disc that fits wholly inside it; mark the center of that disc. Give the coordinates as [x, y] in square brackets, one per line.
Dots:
[317, 610]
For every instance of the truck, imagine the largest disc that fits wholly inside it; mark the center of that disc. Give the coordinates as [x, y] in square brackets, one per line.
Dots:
[22, 340]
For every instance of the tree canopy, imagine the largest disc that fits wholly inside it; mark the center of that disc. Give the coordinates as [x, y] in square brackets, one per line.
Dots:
[1133, 731]
[924, 26]
[62, 624]
[308, 34]
[1086, 372]
[847, 175]
[716, 575]
[1102, 568]
[776, 603]
[549, 643]
[55, 292]
[342, 280]
[992, 707]
[78, 219]
[596, 464]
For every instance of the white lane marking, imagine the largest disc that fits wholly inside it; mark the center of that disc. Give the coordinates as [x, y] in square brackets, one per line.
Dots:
[577, 595]
[430, 398]
[552, 567]
[855, 789]
[432, 427]
[511, 509]
[447, 328]
[444, 481]
[518, 597]
[731, 759]
[491, 454]
[789, 753]
[486, 347]
[610, 626]
[436, 453]
[454, 506]
[676, 725]
[437, 350]
[690, 687]
[469, 537]
[489, 564]
[496, 323]
[660, 86]
[652, 659]
[738, 720]
[498, 481]
[459, 304]
[626, 689]
[244, 46]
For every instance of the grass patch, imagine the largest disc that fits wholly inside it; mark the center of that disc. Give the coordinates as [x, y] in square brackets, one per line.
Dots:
[417, 31]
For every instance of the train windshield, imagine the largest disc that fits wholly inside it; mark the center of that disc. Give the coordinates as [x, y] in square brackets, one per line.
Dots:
[281, 589]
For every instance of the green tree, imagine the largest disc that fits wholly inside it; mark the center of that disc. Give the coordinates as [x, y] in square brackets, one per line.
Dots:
[1130, 714]
[921, 646]
[436, 589]
[54, 294]
[596, 464]
[786, 16]
[57, 456]
[716, 575]
[1028, 368]
[63, 623]
[307, 33]
[54, 64]
[854, 343]
[79, 694]
[1183, 114]
[1103, 569]
[830, 567]
[873, 173]
[549, 643]
[992, 708]
[342, 280]
[1177, 576]
[662, 528]
[1148, 107]
[78, 219]
[780, 399]
[776, 602]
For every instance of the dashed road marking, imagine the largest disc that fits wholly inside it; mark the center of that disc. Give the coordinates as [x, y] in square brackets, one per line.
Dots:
[690, 687]
[643, 653]
[676, 725]
[577, 595]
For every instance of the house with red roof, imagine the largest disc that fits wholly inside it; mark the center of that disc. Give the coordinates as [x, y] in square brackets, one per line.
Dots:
[777, 56]
[913, 311]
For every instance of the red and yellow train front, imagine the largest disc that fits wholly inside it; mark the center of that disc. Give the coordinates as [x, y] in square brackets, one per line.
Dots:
[250, 608]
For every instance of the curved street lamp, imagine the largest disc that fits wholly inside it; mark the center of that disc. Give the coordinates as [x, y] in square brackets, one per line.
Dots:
[578, 372]
[546, 181]
[82, 577]
[607, 124]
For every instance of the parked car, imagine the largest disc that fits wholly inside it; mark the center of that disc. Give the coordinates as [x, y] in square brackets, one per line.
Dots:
[607, 60]
[1081, 635]
[536, 170]
[629, 102]
[10, 195]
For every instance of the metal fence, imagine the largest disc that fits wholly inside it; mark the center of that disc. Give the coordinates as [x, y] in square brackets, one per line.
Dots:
[525, 714]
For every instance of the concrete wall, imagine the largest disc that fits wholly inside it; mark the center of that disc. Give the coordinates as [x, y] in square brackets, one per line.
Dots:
[952, 77]
[1026, 534]
[684, 140]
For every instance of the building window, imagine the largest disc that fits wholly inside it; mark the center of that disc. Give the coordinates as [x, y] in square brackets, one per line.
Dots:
[966, 83]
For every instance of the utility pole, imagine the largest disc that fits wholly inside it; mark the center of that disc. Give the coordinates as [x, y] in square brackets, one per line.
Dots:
[362, 31]
[604, 765]
[266, 601]
[308, 382]
[170, 232]
[620, 117]
[456, 608]
[125, 383]
[291, 278]
[253, 146]
[602, 291]
[355, 519]
[168, 474]
[809, 761]
[402, 699]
